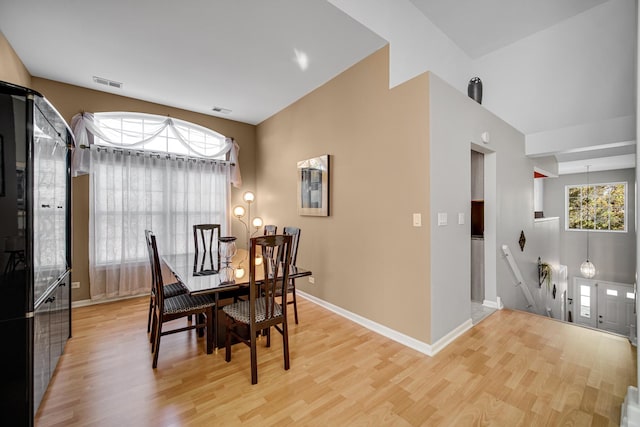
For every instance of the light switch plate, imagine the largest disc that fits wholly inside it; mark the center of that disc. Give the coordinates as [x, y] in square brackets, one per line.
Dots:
[417, 220]
[442, 218]
[460, 218]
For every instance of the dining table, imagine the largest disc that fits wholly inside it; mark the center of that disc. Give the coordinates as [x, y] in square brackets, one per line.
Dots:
[208, 273]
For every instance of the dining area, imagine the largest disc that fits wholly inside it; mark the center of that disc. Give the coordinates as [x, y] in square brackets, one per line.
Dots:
[228, 295]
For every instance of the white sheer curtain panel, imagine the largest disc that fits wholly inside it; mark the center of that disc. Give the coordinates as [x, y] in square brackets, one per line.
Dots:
[133, 191]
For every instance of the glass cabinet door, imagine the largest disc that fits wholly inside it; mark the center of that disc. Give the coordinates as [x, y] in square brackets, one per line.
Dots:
[49, 201]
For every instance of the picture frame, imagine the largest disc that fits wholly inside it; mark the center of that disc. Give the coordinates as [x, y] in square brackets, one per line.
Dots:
[313, 186]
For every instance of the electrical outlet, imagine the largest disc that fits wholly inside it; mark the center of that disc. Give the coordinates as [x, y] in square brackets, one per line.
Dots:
[312, 279]
[75, 285]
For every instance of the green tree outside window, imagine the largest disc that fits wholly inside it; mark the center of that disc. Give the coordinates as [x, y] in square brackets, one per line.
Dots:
[596, 207]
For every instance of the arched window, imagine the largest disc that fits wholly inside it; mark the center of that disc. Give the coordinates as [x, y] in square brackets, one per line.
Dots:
[148, 172]
[159, 134]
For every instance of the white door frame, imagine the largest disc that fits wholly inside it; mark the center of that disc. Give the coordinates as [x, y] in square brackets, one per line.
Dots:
[490, 225]
[599, 317]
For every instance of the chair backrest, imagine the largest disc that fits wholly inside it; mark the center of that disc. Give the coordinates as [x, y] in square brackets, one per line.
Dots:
[147, 237]
[270, 230]
[157, 285]
[276, 273]
[294, 232]
[207, 234]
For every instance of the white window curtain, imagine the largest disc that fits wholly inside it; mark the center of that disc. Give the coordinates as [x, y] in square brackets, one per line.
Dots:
[188, 139]
[131, 191]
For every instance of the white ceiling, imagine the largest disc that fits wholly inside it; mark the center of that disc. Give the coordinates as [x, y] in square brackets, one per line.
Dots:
[240, 55]
[194, 54]
[479, 27]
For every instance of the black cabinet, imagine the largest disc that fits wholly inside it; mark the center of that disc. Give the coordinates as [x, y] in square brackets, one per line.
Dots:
[51, 331]
[35, 249]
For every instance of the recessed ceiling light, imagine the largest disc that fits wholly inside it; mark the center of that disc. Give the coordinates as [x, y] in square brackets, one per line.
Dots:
[107, 82]
[221, 110]
[301, 59]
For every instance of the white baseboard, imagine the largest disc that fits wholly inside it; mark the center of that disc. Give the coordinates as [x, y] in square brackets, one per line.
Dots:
[451, 336]
[490, 304]
[422, 347]
[86, 302]
[82, 303]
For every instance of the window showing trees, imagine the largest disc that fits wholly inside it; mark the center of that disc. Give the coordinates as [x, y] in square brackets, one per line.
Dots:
[596, 207]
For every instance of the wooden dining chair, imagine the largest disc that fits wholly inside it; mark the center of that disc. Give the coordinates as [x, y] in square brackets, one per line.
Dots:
[168, 309]
[170, 289]
[294, 232]
[262, 311]
[205, 240]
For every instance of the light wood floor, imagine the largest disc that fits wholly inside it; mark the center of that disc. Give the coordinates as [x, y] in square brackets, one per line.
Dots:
[511, 369]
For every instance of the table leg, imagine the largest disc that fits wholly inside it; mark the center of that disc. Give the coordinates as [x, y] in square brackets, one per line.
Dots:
[215, 324]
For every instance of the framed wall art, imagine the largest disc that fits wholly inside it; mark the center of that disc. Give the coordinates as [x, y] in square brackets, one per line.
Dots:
[313, 186]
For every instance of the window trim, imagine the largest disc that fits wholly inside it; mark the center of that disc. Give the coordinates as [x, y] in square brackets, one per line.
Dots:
[168, 125]
[566, 207]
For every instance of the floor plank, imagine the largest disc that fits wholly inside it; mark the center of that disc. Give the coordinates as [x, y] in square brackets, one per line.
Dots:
[512, 369]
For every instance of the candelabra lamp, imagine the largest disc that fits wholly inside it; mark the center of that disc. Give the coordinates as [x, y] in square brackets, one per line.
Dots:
[244, 216]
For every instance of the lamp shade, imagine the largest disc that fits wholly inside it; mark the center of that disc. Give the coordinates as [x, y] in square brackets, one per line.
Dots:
[587, 269]
[248, 196]
[257, 222]
[239, 211]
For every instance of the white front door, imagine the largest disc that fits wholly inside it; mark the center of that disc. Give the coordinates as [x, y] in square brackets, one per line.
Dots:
[604, 305]
[615, 307]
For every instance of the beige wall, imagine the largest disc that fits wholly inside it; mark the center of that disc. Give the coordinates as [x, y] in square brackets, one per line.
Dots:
[70, 100]
[366, 257]
[12, 69]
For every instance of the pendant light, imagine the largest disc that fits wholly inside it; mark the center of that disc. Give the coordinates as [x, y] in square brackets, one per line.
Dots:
[587, 269]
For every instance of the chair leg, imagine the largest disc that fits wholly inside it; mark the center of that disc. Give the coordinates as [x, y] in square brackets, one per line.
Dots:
[154, 330]
[295, 303]
[285, 344]
[268, 334]
[157, 344]
[254, 359]
[210, 326]
[200, 321]
[150, 310]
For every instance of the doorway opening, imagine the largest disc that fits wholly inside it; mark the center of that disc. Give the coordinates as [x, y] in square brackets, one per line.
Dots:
[477, 227]
[478, 295]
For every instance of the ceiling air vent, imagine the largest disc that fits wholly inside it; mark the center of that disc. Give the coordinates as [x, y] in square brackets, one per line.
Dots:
[221, 110]
[107, 82]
